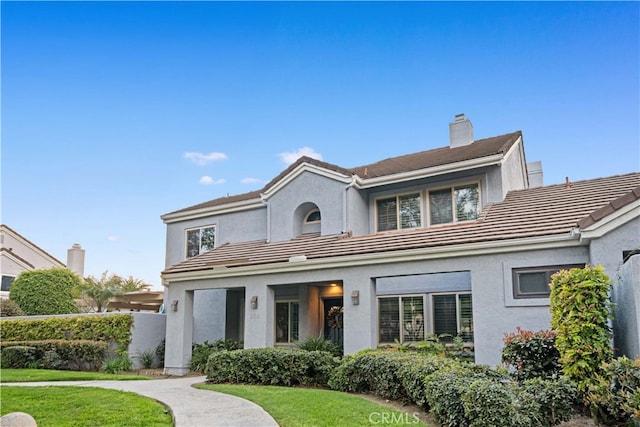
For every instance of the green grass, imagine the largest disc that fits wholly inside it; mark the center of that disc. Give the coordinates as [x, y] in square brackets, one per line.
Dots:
[300, 407]
[31, 375]
[61, 406]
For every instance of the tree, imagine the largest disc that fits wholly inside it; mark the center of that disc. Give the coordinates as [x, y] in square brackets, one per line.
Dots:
[50, 291]
[96, 293]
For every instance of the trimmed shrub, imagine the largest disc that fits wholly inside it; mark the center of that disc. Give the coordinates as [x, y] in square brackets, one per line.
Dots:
[544, 402]
[18, 357]
[488, 403]
[82, 355]
[414, 374]
[614, 396]
[146, 358]
[116, 328]
[9, 308]
[445, 388]
[270, 366]
[200, 352]
[50, 291]
[580, 314]
[531, 354]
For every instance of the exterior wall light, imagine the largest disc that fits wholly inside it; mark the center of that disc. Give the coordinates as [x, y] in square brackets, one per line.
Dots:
[254, 302]
[355, 297]
[174, 305]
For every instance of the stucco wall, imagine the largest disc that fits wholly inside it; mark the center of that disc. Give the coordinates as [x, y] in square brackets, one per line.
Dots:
[627, 315]
[328, 195]
[512, 170]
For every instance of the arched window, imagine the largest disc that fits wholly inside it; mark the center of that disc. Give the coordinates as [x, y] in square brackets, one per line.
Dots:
[313, 217]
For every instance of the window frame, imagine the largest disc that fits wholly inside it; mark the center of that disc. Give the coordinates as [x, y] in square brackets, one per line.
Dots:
[10, 283]
[398, 196]
[454, 210]
[289, 303]
[311, 212]
[458, 313]
[549, 270]
[428, 313]
[200, 252]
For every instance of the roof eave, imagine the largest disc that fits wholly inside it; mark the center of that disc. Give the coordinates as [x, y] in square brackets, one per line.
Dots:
[299, 170]
[421, 254]
[610, 222]
[362, 183]
[213, 210]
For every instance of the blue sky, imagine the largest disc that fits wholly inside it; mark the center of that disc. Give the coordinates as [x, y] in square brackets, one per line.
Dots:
[114, 113]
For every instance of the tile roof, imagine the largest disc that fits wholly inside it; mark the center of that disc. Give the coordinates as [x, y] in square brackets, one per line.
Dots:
[535, 212]
[391, 166]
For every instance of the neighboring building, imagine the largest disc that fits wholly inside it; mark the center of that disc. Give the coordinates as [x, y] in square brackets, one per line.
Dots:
[458, 240]
[18, 254]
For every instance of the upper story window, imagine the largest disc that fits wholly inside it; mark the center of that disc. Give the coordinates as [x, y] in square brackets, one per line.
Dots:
[454, 204]
[533, 282]
[398, 212]
[7, 281]
[313, 217]
[200, 240]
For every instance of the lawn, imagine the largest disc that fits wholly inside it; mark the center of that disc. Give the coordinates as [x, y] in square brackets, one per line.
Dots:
[31, 375]
[300, 407]
[60, 406]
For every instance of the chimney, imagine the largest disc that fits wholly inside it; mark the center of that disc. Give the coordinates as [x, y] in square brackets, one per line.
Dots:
[534, 171]
[75, 259]
[460, 131]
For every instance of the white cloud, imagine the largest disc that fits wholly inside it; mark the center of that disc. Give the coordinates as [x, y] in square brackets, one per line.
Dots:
[113, 238]
[249, 180]
[202, 159]
[207, 180]
[292, 156]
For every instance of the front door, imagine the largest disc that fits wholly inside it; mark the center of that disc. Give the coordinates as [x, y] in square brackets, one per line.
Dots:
[333, 318]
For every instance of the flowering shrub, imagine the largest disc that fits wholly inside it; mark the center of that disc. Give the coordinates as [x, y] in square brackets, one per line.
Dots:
[531, 354]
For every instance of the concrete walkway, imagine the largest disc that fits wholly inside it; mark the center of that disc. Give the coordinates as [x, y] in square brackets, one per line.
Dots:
[191, 407]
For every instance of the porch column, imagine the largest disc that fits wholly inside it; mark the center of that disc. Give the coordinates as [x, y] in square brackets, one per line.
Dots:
[360, 321]
[259, 321]
[179, 335]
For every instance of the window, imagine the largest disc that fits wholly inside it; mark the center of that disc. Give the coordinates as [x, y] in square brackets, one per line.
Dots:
[200, 240]
[534, 282]
[312, 217]
[287, 323]
[7, 281]
[454, 204]
[398, 212]
[404, 318]
[452, 316]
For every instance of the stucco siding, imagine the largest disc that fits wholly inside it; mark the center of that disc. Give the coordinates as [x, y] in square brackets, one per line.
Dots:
[307, 188]
[513, 169]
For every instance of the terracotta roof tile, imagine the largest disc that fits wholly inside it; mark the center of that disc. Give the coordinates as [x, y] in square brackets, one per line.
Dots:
[542, 211]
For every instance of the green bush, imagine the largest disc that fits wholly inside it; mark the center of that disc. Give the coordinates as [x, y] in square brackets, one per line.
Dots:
[116, 365]
[51, 291]
[414, 374]
[545, 402]
[270, 366]
[445, 388]
[200, 352]
[160, 352]
[52, 360]
[488, 403]
[320, 344]
[18, 357]
[614, 396]
[146, 358]
[9, 308]
[81, 355]
[116, 328]
[531, 354]
[580, 314]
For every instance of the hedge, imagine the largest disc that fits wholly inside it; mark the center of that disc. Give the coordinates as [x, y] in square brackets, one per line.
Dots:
[83, 355]
[116, 328]
[270, 366]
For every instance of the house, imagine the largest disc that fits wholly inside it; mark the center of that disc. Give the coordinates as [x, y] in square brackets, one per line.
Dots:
[18, 254]
[458, 240]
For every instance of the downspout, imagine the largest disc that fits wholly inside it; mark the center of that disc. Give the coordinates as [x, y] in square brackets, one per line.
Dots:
[264, 201]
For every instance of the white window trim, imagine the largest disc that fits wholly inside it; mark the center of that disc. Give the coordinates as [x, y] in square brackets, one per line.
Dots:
[397, 196]
[452, 187]
[275, 322]
[306, 217]
[186, 238]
